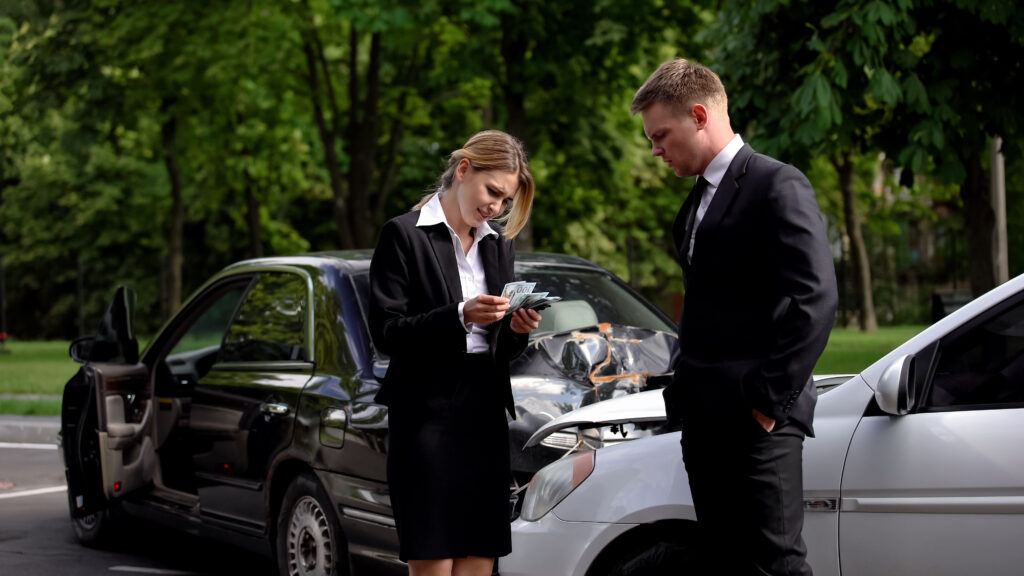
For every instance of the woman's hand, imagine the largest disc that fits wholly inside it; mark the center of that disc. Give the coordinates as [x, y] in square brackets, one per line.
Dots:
[525, 321]
[484, 309]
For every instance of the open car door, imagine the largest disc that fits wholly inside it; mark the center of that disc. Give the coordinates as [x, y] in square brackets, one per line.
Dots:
[107, 415]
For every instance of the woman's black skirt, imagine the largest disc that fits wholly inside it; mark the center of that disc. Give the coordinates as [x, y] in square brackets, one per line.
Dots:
[448, 468]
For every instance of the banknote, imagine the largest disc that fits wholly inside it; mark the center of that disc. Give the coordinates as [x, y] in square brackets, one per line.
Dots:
[521, 295]
[513, 288]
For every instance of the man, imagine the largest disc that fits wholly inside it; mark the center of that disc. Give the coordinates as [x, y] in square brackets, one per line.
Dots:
[760, 302]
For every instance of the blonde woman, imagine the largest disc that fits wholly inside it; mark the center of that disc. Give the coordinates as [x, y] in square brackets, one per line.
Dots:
[436, 310]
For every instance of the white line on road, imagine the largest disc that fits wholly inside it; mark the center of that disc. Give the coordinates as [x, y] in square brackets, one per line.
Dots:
[28, 446]
[33, 492]
[142, 570]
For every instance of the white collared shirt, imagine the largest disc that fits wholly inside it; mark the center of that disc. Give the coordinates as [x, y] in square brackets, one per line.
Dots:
[714, 174]
[471, 267]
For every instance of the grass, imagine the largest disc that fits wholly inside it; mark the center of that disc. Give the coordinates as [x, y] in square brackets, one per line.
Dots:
[35, 367]
[850, 351]
[33, 374]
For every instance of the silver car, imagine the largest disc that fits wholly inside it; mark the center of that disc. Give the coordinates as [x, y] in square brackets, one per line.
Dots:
[917, 468]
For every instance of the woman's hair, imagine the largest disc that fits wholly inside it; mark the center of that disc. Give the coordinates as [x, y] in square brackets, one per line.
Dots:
[494, 150]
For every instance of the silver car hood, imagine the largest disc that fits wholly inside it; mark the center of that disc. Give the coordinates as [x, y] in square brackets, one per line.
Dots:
[648, 406]
[645, 406]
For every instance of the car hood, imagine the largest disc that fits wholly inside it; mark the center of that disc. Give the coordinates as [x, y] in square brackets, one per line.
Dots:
[609, 359]
[647, 406]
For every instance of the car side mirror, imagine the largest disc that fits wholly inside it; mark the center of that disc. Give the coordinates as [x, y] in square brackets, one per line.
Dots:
[895, 393]
[81, 349]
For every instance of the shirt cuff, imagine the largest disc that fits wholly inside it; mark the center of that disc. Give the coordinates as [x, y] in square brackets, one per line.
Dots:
[462, 317]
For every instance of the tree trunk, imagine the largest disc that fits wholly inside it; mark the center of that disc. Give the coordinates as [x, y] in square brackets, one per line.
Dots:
[253, 216]
[514, 45]
[858, 253]
[980, 220]
[168, 133]
[362, 141]
[328, 134]
[387, 175]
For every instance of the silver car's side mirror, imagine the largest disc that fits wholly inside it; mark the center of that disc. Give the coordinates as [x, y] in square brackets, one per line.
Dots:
[895, 393]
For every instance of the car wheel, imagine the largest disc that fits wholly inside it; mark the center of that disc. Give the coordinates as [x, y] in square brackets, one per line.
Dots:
[309, 538]
[657, 558]
[93, 529]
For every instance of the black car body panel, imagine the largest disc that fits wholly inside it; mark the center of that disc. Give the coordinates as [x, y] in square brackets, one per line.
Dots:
[268, 374]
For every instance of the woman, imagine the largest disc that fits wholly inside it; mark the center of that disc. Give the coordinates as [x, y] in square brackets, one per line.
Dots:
[435, 309]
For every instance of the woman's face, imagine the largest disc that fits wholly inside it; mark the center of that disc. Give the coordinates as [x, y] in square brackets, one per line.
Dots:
[483, 194]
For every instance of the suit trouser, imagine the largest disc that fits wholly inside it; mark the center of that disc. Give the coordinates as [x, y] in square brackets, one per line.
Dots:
[747, 487]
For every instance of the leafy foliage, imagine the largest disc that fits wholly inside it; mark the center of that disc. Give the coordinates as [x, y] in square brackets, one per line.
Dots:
[153, 143]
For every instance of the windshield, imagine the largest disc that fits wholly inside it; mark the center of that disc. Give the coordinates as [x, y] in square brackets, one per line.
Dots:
[589, 298]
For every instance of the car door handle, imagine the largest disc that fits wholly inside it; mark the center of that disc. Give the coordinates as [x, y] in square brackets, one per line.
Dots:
[275, 409]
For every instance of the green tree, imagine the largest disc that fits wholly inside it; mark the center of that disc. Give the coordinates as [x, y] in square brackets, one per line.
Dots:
[955, 73]
[814, 79]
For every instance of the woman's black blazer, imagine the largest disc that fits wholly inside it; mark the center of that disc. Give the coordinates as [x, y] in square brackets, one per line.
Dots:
[414, 311]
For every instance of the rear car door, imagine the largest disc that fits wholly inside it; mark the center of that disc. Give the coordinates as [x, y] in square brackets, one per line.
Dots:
[941, 491]
[243, 409]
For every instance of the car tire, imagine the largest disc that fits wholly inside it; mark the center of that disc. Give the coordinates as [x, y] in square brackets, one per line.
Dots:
[658, 558]
[309, 538]
[94, 529]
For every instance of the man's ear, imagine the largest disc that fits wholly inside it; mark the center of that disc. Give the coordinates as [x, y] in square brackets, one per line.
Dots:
[700, 115]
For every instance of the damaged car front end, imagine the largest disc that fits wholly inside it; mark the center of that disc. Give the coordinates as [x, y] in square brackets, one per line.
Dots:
[565, 371]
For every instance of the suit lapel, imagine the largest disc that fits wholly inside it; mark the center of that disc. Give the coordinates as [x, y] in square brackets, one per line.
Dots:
[724, 195]
[491, 257]
[493, 261]
[444, 251]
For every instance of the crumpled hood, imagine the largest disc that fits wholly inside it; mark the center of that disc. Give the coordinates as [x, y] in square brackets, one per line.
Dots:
[644, 407]
[581, 367]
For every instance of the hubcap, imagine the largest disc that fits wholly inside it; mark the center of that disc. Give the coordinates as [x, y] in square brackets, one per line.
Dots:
[88, 521]
[310, 549]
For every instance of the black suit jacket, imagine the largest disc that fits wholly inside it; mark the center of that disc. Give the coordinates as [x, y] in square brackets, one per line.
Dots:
[760, 298]
[414, 311]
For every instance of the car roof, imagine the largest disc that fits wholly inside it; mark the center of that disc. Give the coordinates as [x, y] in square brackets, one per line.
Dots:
[356, 261]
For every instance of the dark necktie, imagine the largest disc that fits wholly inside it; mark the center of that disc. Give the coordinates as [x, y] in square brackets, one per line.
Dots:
[699, 187]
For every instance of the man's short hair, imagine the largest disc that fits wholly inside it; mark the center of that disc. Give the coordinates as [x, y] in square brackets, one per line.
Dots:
[679, 84]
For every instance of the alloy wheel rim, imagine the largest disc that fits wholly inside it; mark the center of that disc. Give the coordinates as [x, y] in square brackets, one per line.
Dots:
[310, 549]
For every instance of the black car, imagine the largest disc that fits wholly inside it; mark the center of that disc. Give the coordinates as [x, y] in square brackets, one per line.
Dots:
[250, 418]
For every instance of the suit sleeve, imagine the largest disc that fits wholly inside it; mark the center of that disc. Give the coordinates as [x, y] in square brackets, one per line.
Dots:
[393, 326]
[804, 285]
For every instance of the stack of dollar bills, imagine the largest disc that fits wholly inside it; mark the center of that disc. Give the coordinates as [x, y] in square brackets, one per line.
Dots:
[521, 295]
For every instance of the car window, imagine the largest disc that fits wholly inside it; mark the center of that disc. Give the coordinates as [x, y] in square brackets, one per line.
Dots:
[271, 323]
[208, 330]
[589, 297]
[982, 366]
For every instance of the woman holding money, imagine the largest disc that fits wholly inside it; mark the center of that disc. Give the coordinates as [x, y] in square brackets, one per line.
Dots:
[435, 309]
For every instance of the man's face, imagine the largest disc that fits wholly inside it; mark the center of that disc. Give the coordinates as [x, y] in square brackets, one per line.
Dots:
[675, 138]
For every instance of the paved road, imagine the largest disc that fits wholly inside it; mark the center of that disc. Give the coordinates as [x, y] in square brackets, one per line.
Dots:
[36, 538]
